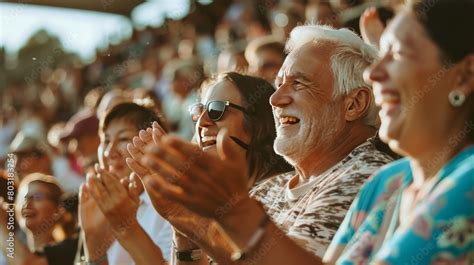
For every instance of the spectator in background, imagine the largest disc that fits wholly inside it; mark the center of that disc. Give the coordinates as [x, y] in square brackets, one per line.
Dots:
[110, 100]
[116, 218]
[8, 128]
[342, 5]
[32, 154]
[322, 13]
[93, 98]
[185, 77]
[352, 12]
[81, 134]
[285, 18]
[40, 210]
[373, 22]
[265, 56]
[232, 60]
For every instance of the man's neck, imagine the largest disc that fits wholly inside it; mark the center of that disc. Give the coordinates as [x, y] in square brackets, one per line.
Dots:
[332, 153]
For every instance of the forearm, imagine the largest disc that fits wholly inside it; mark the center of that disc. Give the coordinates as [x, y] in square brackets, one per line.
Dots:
[139, 245]
[95, 247]
[274, 247]
[201, 233]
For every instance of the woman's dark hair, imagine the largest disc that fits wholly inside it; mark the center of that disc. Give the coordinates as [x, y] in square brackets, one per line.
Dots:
[255, 93]
[449, 25]
[133, 113]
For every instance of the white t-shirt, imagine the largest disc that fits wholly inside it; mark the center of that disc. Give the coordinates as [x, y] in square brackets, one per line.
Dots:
[154, 225]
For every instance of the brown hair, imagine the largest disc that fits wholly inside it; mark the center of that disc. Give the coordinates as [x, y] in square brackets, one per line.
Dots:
[137, 115]
[449, 25]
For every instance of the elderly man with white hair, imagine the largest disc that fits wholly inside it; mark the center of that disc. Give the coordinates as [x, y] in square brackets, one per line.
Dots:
[325, 118]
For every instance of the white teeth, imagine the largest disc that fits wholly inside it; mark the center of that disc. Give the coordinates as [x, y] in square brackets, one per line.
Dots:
[390, 97]
[208, 138]
[286, 119]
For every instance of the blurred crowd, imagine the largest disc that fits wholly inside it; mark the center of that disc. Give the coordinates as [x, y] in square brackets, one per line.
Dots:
[97, 120]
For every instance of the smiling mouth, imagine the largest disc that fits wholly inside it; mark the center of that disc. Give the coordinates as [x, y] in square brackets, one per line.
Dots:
[28, 214]
[207, 141]
[390, 98]
[288, 120]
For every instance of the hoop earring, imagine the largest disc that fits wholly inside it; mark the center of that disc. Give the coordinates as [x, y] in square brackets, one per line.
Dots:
[456, 98]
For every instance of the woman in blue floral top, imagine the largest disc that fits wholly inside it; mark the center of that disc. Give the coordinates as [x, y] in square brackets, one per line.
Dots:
[420, 210]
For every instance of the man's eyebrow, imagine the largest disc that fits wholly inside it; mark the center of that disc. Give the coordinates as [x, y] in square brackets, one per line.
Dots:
[301, 75]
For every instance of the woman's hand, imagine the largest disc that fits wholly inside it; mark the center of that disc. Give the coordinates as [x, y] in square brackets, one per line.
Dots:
[136, 149]
[146, 138]
[209, 185]
[95, 227]
[371, 26]
[118, 199]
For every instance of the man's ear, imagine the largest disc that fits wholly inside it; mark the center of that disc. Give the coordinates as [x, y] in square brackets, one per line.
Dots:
[357, 103]
[465, 80]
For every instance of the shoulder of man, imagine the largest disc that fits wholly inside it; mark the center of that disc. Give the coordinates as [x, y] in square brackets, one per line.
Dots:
[274, 184]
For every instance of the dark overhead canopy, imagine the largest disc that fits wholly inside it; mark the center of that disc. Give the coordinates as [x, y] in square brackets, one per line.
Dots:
[122, 7]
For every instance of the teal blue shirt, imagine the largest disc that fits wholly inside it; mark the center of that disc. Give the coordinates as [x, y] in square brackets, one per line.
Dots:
[440, 230]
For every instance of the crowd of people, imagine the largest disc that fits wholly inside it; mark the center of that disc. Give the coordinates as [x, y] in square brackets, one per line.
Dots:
[273, 132]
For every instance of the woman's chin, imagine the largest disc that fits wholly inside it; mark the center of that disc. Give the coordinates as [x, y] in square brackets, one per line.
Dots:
[391, 134]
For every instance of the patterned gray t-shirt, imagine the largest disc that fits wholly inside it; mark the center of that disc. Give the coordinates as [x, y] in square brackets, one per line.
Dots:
[310, 213]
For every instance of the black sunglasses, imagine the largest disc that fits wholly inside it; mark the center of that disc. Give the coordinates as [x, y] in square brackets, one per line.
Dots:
[215, 109]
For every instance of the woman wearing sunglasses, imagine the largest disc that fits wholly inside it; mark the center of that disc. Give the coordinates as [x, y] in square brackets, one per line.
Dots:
[239, 105]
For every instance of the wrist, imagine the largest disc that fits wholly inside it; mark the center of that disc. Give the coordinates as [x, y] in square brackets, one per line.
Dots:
[93, 245]
[243, 214]
[99, 261]
[184, 249]
[242, 221]
[182, 242]
[126, 229]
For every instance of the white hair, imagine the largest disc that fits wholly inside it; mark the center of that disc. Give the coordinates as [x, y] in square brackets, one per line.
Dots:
[349, 59]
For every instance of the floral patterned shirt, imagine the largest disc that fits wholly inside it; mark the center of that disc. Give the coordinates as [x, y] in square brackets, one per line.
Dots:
[440, 231]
